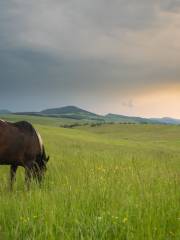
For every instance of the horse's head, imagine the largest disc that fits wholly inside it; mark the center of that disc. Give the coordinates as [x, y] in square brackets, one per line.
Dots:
[41, 167]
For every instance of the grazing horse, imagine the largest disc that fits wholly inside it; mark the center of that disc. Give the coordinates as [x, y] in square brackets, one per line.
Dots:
[21, 145]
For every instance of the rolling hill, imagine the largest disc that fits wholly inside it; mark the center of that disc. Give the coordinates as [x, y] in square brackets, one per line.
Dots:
[132, 119]
[121, 118]
[167, 120]
[71, 112]
[76, 113]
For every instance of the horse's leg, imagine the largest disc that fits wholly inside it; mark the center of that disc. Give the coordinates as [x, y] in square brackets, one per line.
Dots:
[28, 175]
[13, 170]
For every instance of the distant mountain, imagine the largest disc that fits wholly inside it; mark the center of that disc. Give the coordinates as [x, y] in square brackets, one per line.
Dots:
[128, 119]
[71, 112]
[76, 113]
[167, 120]
[122, 118]
[66, 112]
[4, 111]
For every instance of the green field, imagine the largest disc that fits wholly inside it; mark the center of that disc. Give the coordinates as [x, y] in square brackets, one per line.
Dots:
[115, 181]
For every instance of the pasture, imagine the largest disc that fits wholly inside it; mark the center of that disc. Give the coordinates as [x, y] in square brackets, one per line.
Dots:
[107, 182]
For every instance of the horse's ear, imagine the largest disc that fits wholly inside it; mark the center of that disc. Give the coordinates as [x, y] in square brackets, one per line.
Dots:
[47, 159]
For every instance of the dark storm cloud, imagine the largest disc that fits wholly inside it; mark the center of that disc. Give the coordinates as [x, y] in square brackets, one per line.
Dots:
[52, 49]
[28, 72]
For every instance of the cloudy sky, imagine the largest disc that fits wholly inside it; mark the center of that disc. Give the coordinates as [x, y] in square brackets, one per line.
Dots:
[120, 56]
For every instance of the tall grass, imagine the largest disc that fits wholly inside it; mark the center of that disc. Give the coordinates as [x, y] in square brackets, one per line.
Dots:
[101, 183]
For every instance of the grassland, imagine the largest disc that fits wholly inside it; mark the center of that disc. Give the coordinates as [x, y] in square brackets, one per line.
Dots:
[107, 182]
[49, 121]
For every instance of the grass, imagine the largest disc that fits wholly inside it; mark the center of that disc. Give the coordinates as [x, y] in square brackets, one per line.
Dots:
[107, 182]
[49, 121]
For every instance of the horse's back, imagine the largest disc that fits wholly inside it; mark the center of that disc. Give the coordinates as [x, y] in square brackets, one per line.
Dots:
[18, 142]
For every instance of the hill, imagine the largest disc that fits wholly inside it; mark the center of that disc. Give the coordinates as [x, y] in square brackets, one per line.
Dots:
[68, 112]
[71, 112]
[131, 119]
[167, 120]
[76, 113]
[127, 119]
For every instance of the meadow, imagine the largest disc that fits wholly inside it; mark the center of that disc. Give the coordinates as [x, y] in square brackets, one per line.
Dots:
[114, 181]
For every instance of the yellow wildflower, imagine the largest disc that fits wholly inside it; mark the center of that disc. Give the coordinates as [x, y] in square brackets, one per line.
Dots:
[125, 220]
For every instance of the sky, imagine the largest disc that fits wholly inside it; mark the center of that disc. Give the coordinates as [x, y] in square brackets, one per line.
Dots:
[118, 56]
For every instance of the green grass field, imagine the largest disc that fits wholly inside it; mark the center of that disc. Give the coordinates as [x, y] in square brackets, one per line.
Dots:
[107, 182]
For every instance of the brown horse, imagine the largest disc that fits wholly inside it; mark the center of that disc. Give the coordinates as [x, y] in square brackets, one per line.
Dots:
[21, 145]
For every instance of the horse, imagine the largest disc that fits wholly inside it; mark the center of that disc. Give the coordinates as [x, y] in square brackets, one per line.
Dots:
[22, 145]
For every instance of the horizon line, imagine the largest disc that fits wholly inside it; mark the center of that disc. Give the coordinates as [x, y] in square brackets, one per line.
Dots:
[82, 108]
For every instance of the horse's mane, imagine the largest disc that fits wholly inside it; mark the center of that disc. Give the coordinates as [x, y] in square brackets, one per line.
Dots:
[24, 126]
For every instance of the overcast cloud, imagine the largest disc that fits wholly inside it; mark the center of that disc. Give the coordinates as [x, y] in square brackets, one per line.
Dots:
[96, 54]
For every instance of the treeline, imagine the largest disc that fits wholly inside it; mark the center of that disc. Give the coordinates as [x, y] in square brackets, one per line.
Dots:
[97, 124]
[73, 125]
